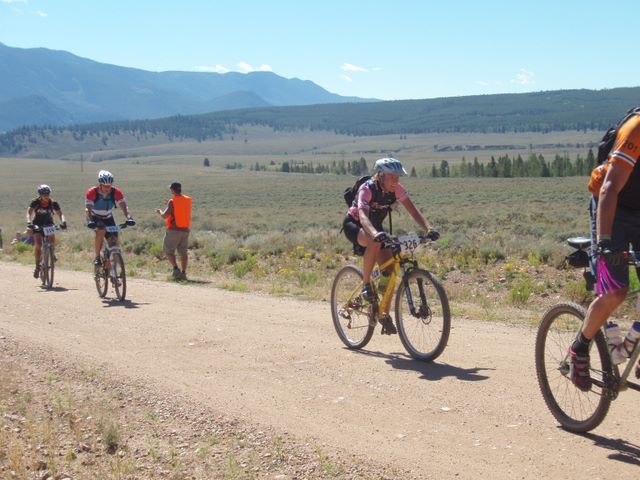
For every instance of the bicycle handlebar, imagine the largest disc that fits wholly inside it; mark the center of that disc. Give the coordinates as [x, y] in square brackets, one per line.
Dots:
[410, 241]
[38, 228]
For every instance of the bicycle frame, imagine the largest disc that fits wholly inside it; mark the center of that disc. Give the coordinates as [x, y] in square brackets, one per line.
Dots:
[396, 275]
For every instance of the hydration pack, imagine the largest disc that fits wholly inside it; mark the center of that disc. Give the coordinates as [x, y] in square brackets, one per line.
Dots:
[604, 150]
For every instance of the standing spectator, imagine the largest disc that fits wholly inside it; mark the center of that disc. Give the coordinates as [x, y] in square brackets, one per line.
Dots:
[178, 215]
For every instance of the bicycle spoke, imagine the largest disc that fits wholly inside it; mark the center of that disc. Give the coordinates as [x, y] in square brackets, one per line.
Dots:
[350, 312]
[423, 316]
[576, 410]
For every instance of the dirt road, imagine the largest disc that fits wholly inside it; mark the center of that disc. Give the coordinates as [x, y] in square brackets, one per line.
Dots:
[274, 361]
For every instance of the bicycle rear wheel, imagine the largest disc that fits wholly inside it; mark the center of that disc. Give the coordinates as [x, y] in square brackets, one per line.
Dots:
[119, 278]
[422, 315]
[351, 313]
[101, 277]
[575, 410]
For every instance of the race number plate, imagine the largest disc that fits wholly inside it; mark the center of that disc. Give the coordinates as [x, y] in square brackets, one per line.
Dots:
[409, 242]
[50, 230]
[112, 228]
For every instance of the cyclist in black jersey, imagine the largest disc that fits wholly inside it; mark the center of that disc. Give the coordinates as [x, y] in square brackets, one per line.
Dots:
[40, 214]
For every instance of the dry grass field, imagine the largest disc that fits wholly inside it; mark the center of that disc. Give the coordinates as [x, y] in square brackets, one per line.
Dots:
[279, 233]
[500, 258]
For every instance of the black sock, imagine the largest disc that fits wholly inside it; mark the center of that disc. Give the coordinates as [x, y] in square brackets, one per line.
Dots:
[581, 344]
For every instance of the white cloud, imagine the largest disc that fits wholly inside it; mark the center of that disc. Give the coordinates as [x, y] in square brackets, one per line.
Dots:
[14, 1]
[346, 78]
[349, 67]
[215, 69]
[244, 67]
[40, 13]
[524, 77]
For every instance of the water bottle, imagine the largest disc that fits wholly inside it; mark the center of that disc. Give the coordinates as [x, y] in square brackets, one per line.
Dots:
[615, 341]
[375, 273]
[631, 339]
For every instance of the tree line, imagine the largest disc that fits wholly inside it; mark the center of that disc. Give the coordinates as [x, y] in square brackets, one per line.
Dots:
[535, 165]
[506, 167]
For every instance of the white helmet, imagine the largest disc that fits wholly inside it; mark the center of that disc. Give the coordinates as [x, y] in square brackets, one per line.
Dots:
[390, 165]
[105, 177]
[44, 190]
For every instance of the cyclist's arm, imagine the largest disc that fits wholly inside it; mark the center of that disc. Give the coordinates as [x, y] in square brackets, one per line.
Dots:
[59, 212]
[89, 211]
[364, 197]
[367, 226]
[415, 213]
[614, 181]
[125, 210]
[30, 211]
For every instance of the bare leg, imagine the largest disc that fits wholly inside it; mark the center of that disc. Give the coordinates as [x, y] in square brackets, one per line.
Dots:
[600, 309]
[370, 254]
[99, 239]
[37, 248]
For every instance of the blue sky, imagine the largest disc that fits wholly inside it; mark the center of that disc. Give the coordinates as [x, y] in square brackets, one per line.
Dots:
[377, 49]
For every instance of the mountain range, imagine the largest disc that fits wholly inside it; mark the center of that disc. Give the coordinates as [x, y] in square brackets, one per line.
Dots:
[39, 86]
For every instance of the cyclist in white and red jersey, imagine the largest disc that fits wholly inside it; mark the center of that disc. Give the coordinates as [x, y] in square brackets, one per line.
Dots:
[363, 223]
[100, 200]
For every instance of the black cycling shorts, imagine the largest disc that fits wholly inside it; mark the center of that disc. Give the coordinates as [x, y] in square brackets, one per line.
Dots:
[351, 229]
[102, 222]
[612, 271]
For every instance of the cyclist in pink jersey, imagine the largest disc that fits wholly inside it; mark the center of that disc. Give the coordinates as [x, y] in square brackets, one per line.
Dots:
[363, 223]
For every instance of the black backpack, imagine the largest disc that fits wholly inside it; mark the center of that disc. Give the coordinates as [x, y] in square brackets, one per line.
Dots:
[606, 144]
[604, 150]
[351, 192]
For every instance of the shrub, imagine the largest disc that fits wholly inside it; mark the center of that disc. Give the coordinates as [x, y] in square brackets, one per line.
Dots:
[521, 291]
[241, 268]
[22, 247]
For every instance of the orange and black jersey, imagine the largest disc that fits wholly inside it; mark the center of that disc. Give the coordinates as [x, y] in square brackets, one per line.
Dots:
[626, 152]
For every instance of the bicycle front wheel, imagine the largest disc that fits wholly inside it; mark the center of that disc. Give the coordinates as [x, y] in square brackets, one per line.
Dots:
[119, 276]
[351, 313]
[101, 277]
[575, 410]
[422, 315]
[47, 266]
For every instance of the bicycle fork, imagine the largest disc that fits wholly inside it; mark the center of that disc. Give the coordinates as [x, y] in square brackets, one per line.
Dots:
[423, 311]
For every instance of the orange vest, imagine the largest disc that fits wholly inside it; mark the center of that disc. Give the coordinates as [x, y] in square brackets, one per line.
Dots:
[181, 217]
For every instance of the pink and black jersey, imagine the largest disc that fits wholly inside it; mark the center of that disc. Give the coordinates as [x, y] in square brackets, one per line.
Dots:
[372, 199]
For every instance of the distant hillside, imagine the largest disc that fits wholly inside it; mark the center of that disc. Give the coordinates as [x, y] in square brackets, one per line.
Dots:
[536, 112]
[72, 89]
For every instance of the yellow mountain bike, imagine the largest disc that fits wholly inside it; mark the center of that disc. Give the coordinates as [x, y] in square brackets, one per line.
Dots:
[421, 307]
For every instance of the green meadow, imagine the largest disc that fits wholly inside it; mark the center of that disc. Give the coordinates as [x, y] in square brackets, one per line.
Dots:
[503, 240]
